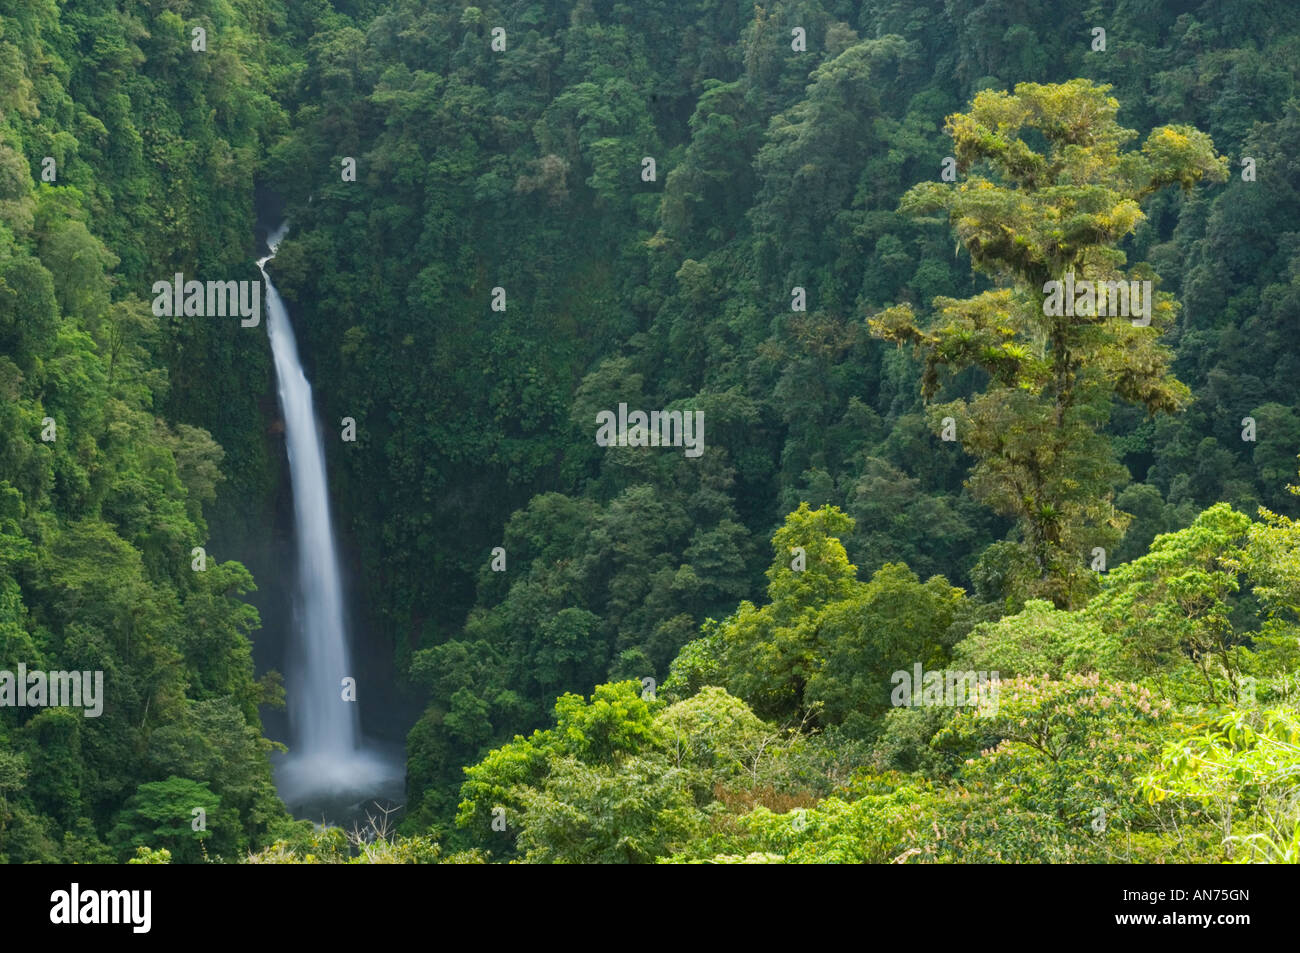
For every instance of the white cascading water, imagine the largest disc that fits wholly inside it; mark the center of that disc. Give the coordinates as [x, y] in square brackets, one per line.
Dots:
[325, 753]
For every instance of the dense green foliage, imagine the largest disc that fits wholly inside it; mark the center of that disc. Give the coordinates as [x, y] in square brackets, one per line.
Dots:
[103, 497]
[1145, 706]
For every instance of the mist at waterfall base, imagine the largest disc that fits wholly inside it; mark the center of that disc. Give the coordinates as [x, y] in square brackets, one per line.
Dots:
[330, 773]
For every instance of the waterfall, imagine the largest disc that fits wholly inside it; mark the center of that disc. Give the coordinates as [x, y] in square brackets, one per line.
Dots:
[325, 753]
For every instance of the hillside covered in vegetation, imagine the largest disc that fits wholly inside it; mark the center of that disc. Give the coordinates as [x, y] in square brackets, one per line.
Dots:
[830, 227]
